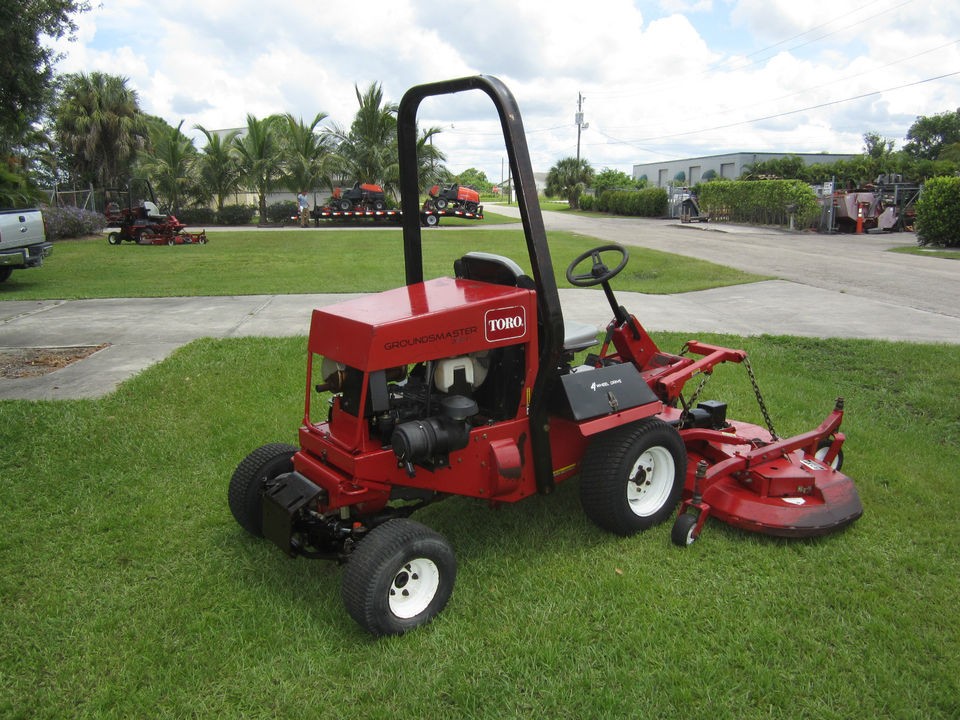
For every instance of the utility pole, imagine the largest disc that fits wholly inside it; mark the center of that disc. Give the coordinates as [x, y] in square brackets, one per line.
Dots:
[581, 125]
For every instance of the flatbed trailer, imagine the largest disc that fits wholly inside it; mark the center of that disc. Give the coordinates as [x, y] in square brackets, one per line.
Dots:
[429, 216]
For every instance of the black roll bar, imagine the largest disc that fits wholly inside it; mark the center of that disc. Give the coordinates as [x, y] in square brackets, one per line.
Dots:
[548, 300]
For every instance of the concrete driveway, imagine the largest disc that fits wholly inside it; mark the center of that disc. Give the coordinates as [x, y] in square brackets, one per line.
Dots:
[830, 286]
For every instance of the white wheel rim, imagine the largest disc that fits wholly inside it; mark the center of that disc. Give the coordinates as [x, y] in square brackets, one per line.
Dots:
[822, 453]
[413, 588]
[650, 481]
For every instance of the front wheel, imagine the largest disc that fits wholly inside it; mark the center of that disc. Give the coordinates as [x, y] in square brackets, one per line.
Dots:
[114, 238]
[252, 477]
[631, 478]
[400, 577]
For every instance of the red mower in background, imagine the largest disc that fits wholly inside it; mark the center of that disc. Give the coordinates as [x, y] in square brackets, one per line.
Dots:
[455, 197]
[468, 385]
[134, 211]
[362, 196]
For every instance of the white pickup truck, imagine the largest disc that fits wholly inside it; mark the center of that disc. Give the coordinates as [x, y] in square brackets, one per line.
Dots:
[22, 240]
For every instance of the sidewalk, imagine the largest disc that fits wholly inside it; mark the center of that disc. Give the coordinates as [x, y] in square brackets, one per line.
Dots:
[143, 331]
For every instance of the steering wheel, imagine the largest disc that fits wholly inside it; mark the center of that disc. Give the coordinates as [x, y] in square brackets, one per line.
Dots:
[599, 272]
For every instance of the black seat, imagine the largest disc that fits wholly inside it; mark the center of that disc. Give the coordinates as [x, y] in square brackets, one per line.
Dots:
[491, 268]
[500, 270]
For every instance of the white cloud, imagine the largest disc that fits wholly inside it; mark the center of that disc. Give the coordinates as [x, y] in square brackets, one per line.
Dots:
[665, 79]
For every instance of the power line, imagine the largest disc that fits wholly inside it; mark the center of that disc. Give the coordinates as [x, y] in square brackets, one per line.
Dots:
[785, 113]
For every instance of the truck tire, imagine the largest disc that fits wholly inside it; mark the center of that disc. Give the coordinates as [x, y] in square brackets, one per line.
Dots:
[250, 479]
[400, 577]
[631, 477]
[5, 273]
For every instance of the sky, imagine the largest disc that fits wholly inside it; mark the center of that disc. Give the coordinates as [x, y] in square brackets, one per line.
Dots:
[659, 79]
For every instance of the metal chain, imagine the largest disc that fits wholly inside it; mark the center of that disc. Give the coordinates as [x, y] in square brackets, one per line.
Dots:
[760, 402]
[694, 397]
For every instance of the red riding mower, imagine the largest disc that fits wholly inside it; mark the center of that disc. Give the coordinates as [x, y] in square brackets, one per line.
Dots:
[134, 211]
[466, 385]
[455, 197]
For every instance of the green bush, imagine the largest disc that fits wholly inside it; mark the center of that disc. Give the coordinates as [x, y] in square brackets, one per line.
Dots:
[281, 212]
[649, 202]
[938, 212]
[235, 215]
[197, 216]
[588, 202]
[760, 202]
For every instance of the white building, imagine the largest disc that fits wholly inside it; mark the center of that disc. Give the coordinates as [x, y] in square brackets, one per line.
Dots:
[728, 167]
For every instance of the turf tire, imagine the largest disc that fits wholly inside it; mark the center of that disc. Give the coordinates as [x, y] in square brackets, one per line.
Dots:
[251, 478]
[397, 558]
[631, 477]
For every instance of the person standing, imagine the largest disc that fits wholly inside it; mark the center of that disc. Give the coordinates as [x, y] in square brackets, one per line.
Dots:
[303, 203]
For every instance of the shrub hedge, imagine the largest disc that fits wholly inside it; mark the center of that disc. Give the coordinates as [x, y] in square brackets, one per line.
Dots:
[236, 215]
[938, 212]
[281, 212]
[649, 202]
[760, 202]
[71, 222]
[197, 216]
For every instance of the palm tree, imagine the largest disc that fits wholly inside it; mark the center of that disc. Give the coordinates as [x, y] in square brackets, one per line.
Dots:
[368, 152]
[99, 125]
[430, 159]
[259, 153]
[170, 164]
[217, 165]
[308, 154]
[568, 178]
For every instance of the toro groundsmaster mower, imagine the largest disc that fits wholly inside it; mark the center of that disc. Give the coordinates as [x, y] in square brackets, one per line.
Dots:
[456, 197]
[134, 210]
[467, 385]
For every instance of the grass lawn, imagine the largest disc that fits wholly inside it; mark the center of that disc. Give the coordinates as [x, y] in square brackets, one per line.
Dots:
[129, 591]
[931, 251]
[296, 260]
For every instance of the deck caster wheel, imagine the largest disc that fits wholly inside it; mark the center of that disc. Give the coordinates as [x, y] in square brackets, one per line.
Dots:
[821, 453]
[631, 478]
[682, 532]
[400, 577]
[252, 476]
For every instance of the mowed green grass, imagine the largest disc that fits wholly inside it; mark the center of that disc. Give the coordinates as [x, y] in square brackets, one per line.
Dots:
[128, 590]
[296, 260]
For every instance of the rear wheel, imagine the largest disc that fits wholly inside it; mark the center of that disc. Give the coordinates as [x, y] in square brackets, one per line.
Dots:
[399, 577]
[253, 475]
[631, 478]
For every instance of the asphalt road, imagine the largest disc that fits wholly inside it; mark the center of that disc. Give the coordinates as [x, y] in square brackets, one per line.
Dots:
[828, 286]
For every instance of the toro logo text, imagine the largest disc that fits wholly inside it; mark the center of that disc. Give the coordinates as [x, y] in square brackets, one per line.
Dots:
[505, 323]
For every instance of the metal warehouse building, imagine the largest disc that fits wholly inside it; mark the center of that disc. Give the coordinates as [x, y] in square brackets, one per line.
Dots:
[729, 166]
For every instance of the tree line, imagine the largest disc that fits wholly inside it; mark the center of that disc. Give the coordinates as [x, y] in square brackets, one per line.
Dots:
[932, 149]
